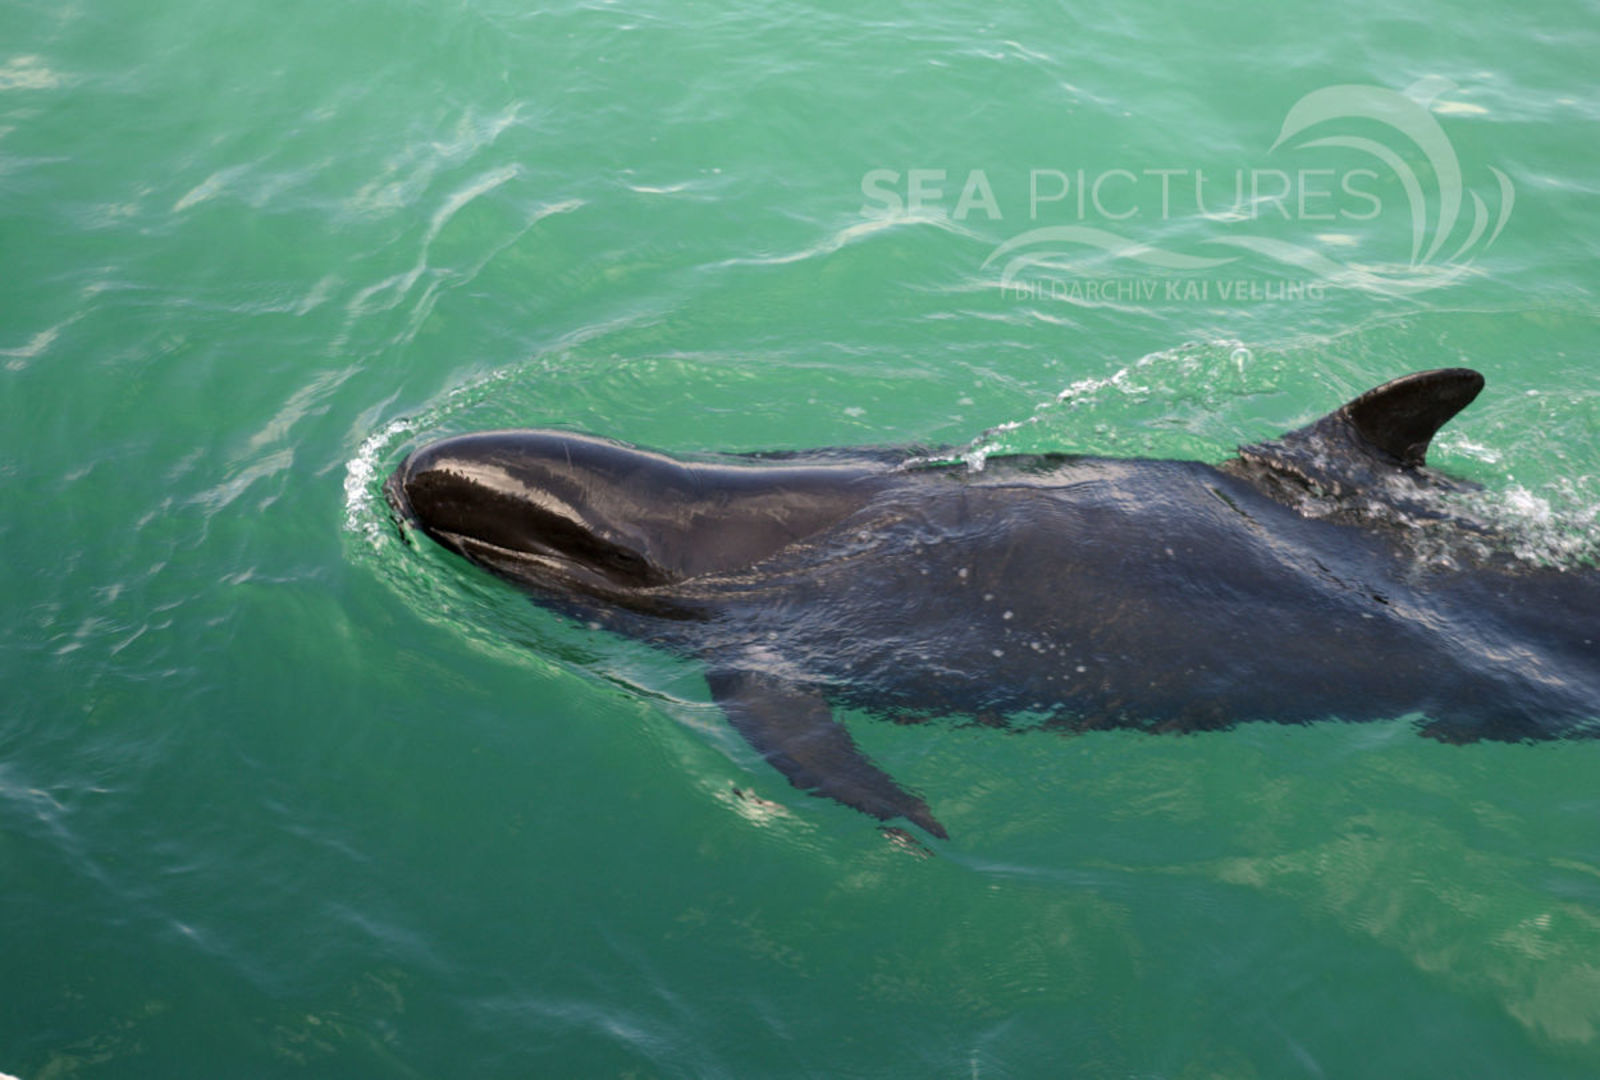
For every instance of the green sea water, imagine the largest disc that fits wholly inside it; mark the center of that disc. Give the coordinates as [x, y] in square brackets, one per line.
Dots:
[281, 796]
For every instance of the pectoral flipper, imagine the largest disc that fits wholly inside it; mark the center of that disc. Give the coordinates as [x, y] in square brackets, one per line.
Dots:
[792, 726]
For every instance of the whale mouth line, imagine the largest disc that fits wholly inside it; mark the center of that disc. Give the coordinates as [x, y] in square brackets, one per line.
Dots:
[547, 572]
[543, 560]
[553, 576]
[404, 514]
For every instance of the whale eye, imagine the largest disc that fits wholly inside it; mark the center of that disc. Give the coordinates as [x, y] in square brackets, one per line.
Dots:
[627, 562]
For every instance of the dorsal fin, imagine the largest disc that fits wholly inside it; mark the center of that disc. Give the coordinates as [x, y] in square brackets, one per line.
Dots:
[1401, 417]
[1389, 427]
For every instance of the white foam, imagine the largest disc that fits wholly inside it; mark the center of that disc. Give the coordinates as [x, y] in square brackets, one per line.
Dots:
[361, 514]
[1087, 391]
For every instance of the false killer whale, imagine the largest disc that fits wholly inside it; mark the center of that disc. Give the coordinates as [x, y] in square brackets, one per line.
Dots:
[1316, 576]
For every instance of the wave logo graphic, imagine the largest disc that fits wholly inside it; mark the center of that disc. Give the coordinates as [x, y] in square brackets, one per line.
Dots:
[1410, 121]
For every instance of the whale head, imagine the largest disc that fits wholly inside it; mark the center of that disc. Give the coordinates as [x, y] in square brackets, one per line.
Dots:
[546, 509]
[574, 515]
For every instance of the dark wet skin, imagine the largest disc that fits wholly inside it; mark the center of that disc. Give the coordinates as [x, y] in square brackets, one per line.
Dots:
[1071, 593]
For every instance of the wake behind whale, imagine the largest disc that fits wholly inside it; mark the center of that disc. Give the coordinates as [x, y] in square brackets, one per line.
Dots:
[1066, 592]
